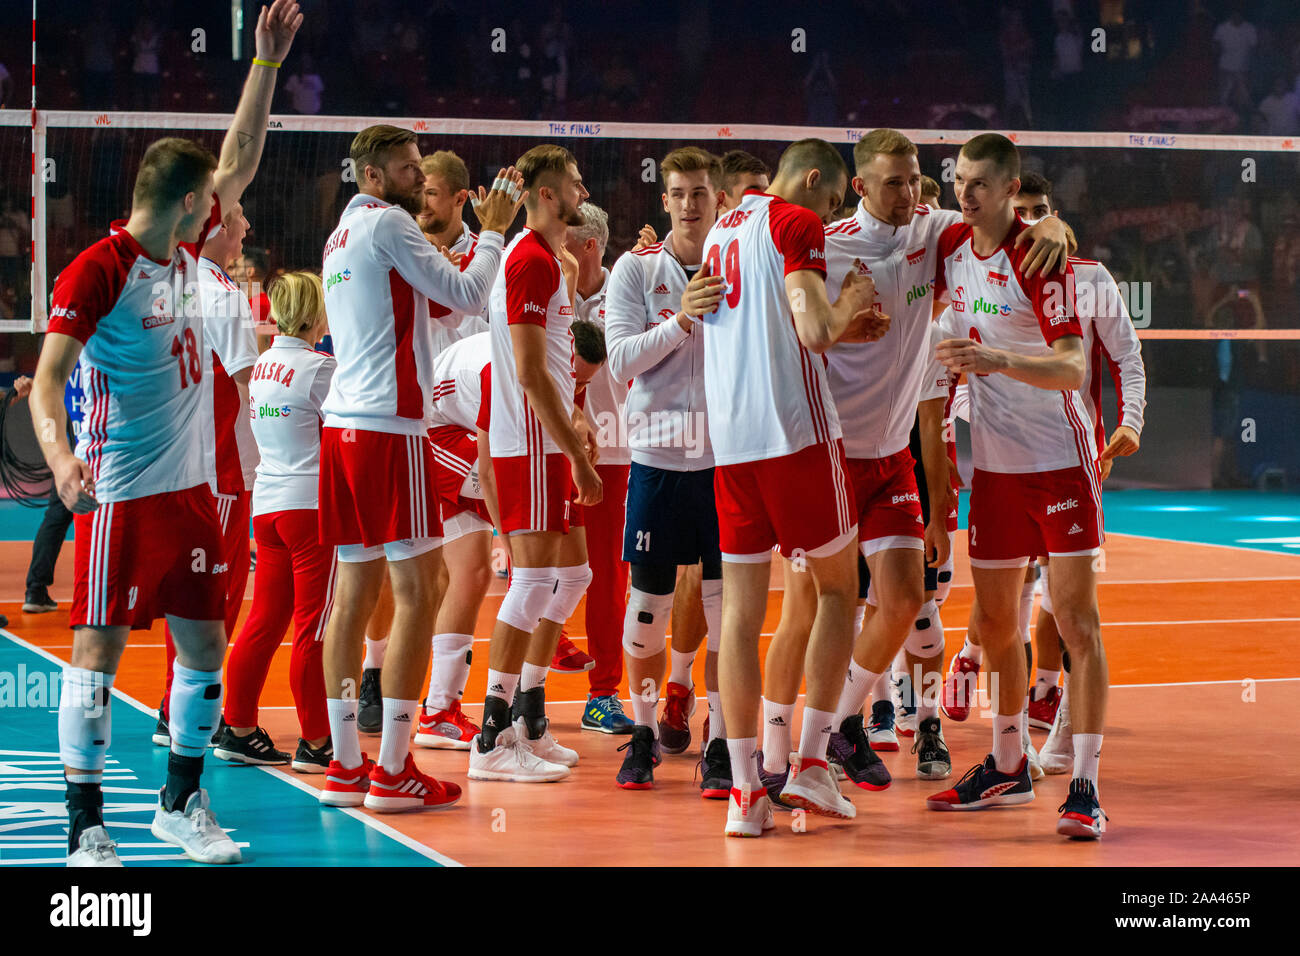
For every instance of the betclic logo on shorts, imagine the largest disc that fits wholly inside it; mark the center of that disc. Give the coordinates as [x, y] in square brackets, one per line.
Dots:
[1065, 505]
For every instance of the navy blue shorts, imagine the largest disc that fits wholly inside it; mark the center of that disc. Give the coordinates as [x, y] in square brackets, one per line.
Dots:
[671, 517]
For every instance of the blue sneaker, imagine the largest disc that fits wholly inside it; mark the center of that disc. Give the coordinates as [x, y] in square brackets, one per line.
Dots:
[605, 715]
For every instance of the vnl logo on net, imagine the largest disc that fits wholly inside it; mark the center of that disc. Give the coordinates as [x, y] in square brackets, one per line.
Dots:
[45, 690]
[663, 429]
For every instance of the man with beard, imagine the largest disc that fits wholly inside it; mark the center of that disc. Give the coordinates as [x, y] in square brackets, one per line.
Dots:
[377, 492]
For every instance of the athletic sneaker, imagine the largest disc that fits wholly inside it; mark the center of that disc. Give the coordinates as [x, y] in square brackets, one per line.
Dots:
[774, 783]
[1042, 712]
[675, 724]
[217, 734]
[1035, 765]
[933, 762]
[1081, 815]
[715, 771]
[880, 732]
[256, 749]
[1057, 755]
[511, 760]
[986, 786]
[959, 690]
[346, 786]
[309, 759]
[38, 601]
[370, 702]
[408, 790]
[446, 729]
[545, 747]
[568, 659]
[195, 830]
[162, 735]
[605, 715]
[812, 788]
[637, 772]
[749, 812]
[94, 848]
[850, 749]
[904, 700]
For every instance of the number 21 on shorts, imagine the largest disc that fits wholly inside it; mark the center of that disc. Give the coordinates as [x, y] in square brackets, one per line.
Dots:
[643, 540]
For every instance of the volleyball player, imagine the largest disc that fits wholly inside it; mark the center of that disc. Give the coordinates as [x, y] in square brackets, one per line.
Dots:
[295, 572]
[148, 541]
[377, 495]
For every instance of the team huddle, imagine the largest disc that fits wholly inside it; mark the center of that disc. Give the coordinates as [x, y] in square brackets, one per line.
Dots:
[767, 378]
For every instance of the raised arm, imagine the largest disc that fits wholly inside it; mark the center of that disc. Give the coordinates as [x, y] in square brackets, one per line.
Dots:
[241, 150]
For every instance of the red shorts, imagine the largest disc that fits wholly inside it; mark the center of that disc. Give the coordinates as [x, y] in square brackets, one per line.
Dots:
[1015, 517]
[376, 488]
[535, 492]
[140, 559]
[800, 503]
[455, 453]
[889, 507]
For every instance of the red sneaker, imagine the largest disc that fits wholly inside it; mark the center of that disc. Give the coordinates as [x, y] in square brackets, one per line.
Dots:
[1042, 712]
[959, 689]
[408, 790]
[446, 729]
[346, 787]
[675, 724]
[569, 659]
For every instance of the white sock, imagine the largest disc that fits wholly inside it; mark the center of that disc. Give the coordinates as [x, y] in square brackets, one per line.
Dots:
[880, 689]
[1008, 744]
[711, 598]
[744, 768]
[1087, 755]
[927, 695]
[776, 735]
[972, 652]
[859, 615]
[395, 743]
[682, 662]
[1044, 681]
[374, 654]
[502, 685]
[643, 711]
[343, 731]
[451, 657]
[857, 684]
[815, 733]
[1026, 610]
[533, 675]
[717, 724]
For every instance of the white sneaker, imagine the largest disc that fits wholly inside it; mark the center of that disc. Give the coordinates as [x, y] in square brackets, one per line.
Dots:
[1035, 766]
[748, 816]
[94, 848]
[812, 787]
[905, 720]
[511, 760]
[195, 830]
[1057, 755]
[546, 747]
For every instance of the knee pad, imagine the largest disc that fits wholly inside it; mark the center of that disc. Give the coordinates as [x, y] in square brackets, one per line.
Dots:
[645, 626]
[925, 640]
[944, 581]
[571, 585]
[1046, 601]
[85, 719]
[711, 594]
[194, 710]
[527, 597]
[655, 578]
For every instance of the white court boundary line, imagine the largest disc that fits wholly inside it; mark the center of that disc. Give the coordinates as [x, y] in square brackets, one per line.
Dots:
[376, 825]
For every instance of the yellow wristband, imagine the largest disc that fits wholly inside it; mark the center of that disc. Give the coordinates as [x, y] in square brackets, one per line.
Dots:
[271, 63]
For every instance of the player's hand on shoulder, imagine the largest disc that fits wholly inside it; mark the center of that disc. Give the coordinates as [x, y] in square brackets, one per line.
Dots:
[646, 237]
[702, 293]
[496, 208]
[1050, 249]
[453, 257]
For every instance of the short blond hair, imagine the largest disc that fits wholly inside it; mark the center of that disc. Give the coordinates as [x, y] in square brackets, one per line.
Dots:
[540, 161]
[690, 159]
[889, 142]
[297, 302]
[448, 167]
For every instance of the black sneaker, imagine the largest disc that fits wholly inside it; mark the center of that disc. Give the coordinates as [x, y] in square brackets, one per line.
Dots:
[850, 749]
[1081, 815]
[370, 703]
[38, 601]
[933, 761]
[309, 759]
[256, 749]
[637, 772]
[774, 783]
[986, 786]
[715, 771]
[162, 735]
[219, 732]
